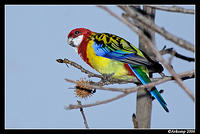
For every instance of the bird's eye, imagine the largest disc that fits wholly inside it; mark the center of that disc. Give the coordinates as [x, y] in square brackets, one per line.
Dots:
[76, 32]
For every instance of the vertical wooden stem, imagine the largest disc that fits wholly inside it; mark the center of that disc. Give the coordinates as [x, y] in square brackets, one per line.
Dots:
[144, 100]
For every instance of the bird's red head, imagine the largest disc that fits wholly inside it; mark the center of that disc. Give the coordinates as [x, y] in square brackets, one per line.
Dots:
[76, 36]
[78, 31]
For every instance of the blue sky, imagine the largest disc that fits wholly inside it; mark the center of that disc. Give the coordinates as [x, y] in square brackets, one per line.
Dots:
[36, 92]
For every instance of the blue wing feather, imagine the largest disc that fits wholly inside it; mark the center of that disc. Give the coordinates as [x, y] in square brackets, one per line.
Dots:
[119, 55]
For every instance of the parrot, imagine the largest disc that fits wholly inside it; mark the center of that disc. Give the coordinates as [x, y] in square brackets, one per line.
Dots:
[112, 55]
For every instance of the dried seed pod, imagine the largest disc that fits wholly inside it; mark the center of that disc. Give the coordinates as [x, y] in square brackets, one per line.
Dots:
[82, 90]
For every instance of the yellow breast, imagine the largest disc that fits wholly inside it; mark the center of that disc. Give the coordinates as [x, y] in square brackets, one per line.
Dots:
[105, 65]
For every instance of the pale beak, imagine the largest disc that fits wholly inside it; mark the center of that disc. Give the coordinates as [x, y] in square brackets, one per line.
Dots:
[70, 42]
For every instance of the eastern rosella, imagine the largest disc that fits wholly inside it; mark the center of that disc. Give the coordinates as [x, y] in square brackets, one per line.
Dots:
[111, 54]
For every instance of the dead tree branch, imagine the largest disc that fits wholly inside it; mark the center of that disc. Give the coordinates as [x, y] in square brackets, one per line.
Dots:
[90, 74]
[83, 115]
[144, 98]
[169, 36]
[134, 120]
[173, 9]
[176, 54]
[96, 103]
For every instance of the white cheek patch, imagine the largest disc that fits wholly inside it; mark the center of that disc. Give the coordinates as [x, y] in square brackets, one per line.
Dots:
[77, 41]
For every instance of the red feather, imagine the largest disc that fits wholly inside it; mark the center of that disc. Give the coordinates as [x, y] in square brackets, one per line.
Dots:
[82, 48]
[130, 72]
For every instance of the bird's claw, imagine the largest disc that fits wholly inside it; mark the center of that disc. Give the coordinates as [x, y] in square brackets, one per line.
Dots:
[107, 77]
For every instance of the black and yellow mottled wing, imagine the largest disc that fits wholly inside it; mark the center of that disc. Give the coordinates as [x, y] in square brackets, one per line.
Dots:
[114, 47]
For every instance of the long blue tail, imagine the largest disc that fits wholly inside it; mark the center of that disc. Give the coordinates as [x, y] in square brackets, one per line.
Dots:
[144, 79]
[154, 92]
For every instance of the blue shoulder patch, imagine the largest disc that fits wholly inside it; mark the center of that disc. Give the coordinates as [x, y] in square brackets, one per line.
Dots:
[99, 50]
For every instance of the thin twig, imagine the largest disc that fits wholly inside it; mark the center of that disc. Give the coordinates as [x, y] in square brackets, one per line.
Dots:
[150, 24]
[173, 9]
[96, 87]
[83, 115]
[134, 120]
[96, 103]
[176, 54]
[66, 61]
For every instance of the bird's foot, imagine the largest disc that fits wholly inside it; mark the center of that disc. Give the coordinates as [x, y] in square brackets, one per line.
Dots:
[107, 77]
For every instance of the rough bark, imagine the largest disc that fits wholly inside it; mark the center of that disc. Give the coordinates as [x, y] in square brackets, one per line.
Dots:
[144, 100]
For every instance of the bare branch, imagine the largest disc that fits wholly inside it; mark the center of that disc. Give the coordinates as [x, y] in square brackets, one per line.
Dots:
[173, 9]
[83, 115]
[66, 61]
[134, 120]
[96, 103]
[169, 36]
[176, 54]
[96, 87]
